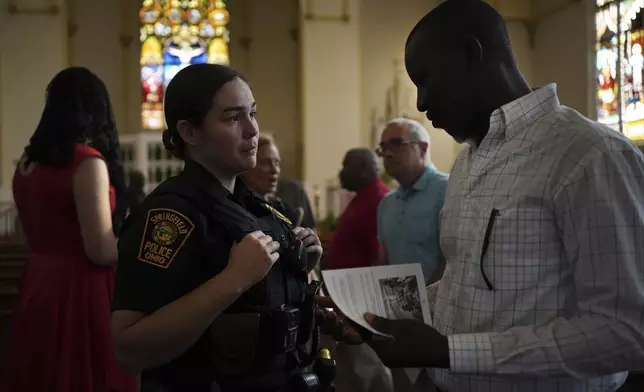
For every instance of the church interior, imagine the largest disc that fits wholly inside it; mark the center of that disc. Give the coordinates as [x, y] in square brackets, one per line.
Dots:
[327, 75]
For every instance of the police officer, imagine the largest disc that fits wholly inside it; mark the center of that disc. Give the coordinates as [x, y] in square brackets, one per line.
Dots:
[211, 289]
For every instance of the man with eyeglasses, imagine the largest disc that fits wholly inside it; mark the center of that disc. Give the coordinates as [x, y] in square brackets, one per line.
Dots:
[408, 218]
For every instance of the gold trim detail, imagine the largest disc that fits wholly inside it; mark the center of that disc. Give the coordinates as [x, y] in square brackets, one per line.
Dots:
[13, 9]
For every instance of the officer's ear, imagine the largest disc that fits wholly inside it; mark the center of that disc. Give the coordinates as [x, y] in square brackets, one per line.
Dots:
[188, 132]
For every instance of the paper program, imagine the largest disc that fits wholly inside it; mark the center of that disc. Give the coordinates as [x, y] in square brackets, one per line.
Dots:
[390, 291]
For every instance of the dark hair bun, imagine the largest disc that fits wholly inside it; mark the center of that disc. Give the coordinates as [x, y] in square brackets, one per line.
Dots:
[167, 141]
[174, 143]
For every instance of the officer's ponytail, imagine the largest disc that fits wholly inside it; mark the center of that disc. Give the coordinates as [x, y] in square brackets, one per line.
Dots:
[174, 143]
[189, 96]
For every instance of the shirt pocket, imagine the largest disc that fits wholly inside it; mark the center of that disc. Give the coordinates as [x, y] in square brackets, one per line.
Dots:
[517, 248]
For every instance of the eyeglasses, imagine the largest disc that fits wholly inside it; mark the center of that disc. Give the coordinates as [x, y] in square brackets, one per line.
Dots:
[394, 145]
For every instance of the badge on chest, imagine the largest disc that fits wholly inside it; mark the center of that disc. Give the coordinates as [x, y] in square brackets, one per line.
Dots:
[278, 214]
[165, 233]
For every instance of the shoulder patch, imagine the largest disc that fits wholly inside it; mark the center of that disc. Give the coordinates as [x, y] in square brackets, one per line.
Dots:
[165, 233]
[277, 213]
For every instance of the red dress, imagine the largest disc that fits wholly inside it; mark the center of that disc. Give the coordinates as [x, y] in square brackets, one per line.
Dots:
[60, 340]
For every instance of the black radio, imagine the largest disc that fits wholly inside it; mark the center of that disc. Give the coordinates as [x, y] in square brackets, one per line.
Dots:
[282, 328]
[293, 254]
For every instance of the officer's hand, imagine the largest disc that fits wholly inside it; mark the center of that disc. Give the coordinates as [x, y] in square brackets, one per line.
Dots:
[311, 243]
[413, 343]
[252, 258]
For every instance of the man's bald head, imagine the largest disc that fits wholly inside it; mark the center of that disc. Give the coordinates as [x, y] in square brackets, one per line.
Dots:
[459, 57]
[366, 156]
[455, 20]
[359, 168]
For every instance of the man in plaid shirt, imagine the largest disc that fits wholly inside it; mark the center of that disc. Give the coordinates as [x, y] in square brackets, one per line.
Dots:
[542, 228]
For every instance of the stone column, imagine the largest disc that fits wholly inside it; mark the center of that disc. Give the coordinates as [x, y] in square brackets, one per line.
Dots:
[331, 105]
[33, 51]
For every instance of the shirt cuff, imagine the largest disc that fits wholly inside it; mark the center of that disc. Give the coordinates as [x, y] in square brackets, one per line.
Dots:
[471, 353]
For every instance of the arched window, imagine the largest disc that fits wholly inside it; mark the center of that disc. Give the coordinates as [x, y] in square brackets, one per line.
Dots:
[175, 34]
[620, 65]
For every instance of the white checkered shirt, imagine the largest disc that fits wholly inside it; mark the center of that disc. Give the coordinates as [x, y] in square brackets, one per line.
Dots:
[556, 303]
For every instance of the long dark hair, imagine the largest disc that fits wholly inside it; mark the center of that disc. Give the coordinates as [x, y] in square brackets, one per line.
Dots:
[78, 110]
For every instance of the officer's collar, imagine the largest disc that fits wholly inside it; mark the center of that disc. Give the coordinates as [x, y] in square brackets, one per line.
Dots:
[202, 178]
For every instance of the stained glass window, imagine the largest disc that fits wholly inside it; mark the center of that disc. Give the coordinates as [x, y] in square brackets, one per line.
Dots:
[620, 65]
[175, 34]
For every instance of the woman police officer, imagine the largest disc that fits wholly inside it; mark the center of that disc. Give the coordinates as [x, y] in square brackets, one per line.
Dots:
[211, 281]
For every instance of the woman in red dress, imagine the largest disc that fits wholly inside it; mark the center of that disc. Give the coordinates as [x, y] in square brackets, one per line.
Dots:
[69, 191]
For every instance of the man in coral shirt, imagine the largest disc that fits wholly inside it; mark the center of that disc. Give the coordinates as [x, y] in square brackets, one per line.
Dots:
[355, 244]
[355, 241]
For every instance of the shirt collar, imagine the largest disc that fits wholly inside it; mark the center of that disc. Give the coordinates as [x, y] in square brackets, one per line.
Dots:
[518, 115]
[204, 180]
[369, 189]
[421, 183]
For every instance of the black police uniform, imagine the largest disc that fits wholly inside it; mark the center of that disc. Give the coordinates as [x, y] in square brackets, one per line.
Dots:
[181, 237]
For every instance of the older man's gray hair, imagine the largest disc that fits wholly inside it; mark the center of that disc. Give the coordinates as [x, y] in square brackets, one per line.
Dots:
[417, 131]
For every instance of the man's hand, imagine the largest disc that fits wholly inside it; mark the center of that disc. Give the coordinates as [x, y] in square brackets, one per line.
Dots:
[414, 344]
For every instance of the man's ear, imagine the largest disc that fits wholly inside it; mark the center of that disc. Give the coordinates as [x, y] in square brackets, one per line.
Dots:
[188, 132]
[423, 148]
[474, 50]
